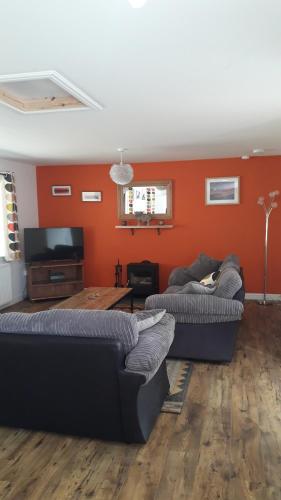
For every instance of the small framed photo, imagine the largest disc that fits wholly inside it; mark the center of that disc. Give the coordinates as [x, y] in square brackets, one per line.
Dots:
[222, 191]
[91, 196]
[61, 190]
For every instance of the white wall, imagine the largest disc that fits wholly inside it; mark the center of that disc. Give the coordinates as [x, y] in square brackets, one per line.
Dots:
[25, 175]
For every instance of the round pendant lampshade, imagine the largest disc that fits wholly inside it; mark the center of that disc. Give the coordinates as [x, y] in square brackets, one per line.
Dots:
[121, 173]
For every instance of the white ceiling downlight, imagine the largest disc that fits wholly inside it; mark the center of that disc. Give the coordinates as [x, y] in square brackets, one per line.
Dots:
[137, 4]
[41, 92]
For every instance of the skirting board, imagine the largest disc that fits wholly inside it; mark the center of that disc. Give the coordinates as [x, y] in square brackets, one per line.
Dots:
[274, 297]
[15, 300]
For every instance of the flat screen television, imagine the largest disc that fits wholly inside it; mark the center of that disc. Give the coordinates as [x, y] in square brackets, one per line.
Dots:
[53, 243]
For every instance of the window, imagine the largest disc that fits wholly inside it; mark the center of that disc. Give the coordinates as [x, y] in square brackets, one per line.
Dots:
[148, 197]
[2, 222]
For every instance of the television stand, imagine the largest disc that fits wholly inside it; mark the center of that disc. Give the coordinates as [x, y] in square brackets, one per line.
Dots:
[54, 279]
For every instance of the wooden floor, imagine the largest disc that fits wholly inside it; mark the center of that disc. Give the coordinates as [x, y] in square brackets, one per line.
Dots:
[226, 444]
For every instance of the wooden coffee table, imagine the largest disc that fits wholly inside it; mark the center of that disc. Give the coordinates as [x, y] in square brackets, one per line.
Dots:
[97, 297]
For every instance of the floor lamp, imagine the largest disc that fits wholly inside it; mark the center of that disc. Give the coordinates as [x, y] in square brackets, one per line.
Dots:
[268, 207]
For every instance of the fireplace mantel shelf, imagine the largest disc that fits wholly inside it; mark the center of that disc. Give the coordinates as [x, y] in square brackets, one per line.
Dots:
[156, 227]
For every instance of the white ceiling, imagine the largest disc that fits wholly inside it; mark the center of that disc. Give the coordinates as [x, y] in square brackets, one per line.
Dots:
[178, 79]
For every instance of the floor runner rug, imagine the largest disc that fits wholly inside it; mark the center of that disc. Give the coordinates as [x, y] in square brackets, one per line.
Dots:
[179, 373]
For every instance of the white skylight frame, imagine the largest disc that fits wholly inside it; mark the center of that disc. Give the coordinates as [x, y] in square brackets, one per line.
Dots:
[59, 80]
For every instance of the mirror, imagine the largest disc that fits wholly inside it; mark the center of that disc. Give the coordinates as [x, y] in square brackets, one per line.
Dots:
[148, 197]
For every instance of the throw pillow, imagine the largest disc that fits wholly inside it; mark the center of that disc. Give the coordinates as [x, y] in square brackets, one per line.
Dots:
[210, 279]
[203, 265]
[149, 318]
[198, 288]
[231, 261]
[180, 276]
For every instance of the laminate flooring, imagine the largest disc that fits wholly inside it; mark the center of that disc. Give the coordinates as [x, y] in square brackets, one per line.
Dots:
[226, 443]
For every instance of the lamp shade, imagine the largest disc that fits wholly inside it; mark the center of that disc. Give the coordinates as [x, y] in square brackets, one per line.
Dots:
[121, 173]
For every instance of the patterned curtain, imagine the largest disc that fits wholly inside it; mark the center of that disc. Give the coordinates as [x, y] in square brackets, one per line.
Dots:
[10, 217]
[130, 201]
[150, 200]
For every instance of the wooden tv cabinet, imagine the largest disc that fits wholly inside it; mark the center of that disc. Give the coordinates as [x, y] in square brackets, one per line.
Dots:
[54, 279]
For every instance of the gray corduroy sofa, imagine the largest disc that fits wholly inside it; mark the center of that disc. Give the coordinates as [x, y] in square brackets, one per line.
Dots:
[92, 373]
[207, 316]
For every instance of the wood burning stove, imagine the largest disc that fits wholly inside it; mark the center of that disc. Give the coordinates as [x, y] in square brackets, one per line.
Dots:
[143, 277]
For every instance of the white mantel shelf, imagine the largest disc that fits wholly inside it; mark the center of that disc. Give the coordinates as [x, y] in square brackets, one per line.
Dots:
[157, 228]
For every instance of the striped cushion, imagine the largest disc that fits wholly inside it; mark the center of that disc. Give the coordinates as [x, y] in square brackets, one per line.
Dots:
[152, 347]
[231, 261]
[192, 308]
[198, 288]
[146, 319]
[75, 322]
[229, 282]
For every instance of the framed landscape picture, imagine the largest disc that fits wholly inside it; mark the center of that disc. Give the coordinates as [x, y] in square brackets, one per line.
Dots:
[222, 191]
[91, 196]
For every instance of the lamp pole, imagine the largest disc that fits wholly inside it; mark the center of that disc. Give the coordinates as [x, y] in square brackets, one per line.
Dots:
[267, 209]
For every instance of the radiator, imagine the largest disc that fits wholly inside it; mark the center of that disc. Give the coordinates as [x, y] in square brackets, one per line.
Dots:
[5, 285]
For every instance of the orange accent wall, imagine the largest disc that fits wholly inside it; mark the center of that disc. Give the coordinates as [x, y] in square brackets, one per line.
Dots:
[215, 230]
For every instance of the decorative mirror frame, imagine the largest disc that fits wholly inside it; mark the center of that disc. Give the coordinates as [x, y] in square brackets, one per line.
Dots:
[121, 204]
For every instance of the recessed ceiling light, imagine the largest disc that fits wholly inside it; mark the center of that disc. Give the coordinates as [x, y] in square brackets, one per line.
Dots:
[136, 4]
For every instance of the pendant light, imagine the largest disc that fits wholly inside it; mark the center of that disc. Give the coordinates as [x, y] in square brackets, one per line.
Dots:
[121, 173]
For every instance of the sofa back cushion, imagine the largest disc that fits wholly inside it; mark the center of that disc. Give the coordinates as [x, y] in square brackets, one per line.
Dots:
[75, 322]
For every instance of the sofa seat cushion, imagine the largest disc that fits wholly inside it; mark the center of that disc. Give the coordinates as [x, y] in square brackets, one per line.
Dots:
[75, 322]
[152, 347]
[192, 308]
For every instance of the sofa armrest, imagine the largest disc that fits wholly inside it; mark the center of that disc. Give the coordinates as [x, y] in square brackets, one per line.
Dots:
[152, 348]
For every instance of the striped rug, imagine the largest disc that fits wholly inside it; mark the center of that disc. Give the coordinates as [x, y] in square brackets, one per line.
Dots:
[179, 373]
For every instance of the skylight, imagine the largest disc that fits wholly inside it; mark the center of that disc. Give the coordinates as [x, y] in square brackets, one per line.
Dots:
[43, 92]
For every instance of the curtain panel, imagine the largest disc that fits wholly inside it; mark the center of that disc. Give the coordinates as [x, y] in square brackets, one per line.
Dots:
[10, 234]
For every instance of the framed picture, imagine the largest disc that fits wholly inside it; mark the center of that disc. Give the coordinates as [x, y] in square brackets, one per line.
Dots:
[91, 196]
[222, 191]
[61, 190]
